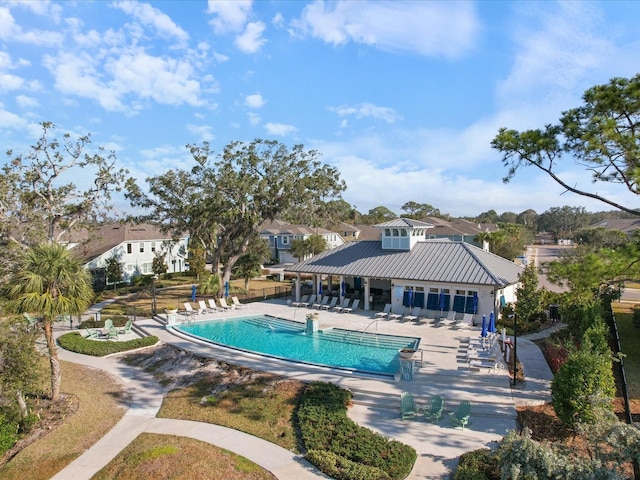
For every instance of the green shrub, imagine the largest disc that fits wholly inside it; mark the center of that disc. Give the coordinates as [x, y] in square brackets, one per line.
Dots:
[75, 342]
[28, 422]
[477, 465]
[583, 376]
[8, 434]
[341, 468]
[324, 426]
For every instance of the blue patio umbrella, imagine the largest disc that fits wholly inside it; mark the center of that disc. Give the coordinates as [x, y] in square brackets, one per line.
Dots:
[193, 292]
[410, 298]
[483, 333]
[226, 289]
[320, 288]
[492, 323]
[441, 302]
[343, 289]
[475, 302]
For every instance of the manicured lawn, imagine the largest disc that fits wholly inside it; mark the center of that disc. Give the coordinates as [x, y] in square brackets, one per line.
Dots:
[161, 457]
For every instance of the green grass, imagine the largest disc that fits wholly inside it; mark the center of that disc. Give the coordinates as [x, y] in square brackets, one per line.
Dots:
[170, 457]
[263, 406]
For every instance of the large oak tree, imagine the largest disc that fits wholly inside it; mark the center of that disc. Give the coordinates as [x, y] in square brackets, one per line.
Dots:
[225, 198]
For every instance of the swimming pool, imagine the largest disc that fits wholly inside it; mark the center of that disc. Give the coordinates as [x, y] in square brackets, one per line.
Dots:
[288, 340]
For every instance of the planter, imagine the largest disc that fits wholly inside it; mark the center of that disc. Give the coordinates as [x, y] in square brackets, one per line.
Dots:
[406, 353]
[170, 311]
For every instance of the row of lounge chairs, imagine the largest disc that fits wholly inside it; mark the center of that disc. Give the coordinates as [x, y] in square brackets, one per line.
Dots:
[212, 307]
[433, 413]
[416, 314]
[485, 353]
[327, 303]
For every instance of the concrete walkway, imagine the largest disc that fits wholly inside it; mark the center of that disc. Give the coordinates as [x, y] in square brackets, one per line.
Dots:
[376, 401]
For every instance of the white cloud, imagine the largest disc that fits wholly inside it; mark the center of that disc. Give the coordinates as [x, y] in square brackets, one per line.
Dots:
[203, 132]
[254, 101]
[447, 29]
[559, 47]
[254, 118]
[150, 16]
[251, 40]
[10, 31]
[279, 129]
[121, 83]
[278, 20]
[365, 110]
[230, 17]
[27, 102]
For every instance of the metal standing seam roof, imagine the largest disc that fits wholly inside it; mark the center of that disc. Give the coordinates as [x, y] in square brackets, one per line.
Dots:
[437, 261]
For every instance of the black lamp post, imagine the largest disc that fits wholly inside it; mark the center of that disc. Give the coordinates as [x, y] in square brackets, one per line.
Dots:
[153, 293]
[515, 350]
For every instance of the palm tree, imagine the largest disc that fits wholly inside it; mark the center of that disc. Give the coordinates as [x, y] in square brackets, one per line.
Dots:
[50, 283]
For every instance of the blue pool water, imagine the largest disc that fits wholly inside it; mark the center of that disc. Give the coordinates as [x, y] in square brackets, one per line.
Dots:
[287, 339]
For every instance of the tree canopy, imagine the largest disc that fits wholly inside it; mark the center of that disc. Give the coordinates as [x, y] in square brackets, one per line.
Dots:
[225, 198]
[38, 200]
[603, 134]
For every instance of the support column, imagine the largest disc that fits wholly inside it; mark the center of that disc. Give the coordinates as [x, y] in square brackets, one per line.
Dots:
[367, 294]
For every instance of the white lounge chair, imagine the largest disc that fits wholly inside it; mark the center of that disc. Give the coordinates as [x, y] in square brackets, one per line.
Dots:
[237, 303]
[322, 302]
[412, 315]
[467, 321]
[354, 306]
[384, 313]
[344, 304]
[189, 311]
[213, 306]
[311, 301]
[203, 307]
[449, 320]
[330, 305]
[224, 305]
[303, 301]
[394, 316]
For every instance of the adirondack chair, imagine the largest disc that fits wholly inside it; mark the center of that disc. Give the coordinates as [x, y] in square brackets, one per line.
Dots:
[461, 416]
[434, 412]
[408, 407]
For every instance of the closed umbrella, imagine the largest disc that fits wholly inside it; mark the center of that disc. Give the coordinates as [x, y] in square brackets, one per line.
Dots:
[492, 323]
[226, 289]
[193, 292]
[475, 302]
[441, 302]
[343, 290]
[410, 298]
[483, 333]
[320, 289]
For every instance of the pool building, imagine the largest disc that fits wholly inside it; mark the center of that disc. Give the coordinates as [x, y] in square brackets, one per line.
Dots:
[406, 269]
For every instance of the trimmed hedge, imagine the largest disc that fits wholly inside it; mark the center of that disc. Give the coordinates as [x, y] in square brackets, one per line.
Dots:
[341, 468]
[477, 465]
[75, 342]
[325, 428]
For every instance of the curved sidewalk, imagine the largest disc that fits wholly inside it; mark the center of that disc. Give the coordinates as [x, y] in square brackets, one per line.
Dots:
[145, 398]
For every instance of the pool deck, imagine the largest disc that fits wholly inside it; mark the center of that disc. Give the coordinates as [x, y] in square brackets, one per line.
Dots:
[442, 371]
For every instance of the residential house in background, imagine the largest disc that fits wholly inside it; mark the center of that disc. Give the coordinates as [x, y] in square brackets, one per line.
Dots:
[460, 230]
[135, 246]
[628, 226]
[405, 268]
[279, 235]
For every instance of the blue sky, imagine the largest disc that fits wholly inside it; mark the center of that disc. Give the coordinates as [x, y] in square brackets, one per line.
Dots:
[403, 98]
